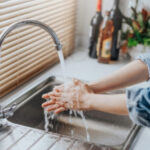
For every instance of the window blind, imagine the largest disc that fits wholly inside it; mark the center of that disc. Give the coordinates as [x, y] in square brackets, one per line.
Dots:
[29, 50]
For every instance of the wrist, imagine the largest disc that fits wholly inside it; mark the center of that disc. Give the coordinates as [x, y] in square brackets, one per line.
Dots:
[89, 101]
[96, 87]
[92, 86]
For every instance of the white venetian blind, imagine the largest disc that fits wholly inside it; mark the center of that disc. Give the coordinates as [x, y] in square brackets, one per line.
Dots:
[29, 50]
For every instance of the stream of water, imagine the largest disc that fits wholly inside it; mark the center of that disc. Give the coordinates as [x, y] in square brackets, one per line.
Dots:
[51, 115]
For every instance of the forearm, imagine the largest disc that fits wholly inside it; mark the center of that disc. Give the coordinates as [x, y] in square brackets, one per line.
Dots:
[115, 104]
[131, 74]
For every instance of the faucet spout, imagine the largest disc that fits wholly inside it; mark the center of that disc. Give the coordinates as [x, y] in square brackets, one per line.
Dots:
[35, 23]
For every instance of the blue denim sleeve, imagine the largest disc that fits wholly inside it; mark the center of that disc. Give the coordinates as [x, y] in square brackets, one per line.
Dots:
[138, 103]
[146, 59]
[138, 99]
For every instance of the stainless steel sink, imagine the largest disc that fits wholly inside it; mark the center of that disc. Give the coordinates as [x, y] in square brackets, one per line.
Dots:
[104, 129]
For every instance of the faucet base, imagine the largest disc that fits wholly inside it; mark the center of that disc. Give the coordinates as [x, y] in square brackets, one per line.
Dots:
[3, 124]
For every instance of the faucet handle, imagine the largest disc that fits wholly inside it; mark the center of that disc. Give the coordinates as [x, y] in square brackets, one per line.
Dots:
[8, 112]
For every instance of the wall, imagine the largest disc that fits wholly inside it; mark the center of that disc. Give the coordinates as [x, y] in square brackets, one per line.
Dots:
[86, 9]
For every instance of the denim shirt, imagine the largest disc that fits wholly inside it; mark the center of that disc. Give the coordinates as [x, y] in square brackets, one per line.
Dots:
[138, 100]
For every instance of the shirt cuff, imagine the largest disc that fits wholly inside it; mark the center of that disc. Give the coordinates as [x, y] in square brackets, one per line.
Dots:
[138, 104]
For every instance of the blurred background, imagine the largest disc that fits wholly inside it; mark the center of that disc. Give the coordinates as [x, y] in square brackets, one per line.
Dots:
[97, 38]
[87, 8]
[103, 32]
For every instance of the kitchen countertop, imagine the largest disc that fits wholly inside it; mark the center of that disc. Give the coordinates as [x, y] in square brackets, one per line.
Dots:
[80, 66]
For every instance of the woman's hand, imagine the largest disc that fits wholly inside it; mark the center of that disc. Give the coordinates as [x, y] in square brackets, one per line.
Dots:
[71, 96]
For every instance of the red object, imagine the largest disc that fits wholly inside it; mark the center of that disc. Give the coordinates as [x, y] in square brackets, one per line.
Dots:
[145, 14]
[99, 5]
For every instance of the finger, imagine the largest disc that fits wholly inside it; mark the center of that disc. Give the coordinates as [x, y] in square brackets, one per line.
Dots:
[55, 98]
[56, 94]
[52, 107]
[68, 106]
[56, 90]
[47, 95]
[59, 110]
[48, 103]
[88, 89]
[75, 81]
[51, 95]
[61, 103]
[59, 88]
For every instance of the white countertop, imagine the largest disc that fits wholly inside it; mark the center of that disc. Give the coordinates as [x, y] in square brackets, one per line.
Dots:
[80, 66]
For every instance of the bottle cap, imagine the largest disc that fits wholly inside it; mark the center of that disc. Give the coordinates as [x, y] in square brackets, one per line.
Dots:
[99, 5]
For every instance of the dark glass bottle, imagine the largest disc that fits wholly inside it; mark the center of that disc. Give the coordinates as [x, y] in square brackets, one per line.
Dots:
[117, 19]
[94, 30]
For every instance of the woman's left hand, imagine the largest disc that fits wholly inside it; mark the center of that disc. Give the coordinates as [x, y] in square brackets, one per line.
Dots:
[71, 96]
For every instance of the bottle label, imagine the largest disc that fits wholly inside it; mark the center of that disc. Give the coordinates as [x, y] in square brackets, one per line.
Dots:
[106, 48]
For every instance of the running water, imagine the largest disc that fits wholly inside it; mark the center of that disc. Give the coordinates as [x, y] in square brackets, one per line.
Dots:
[82, 115]
[85, 124]
[62, 63]
[48, 116]
[46, 121]
[51, 115]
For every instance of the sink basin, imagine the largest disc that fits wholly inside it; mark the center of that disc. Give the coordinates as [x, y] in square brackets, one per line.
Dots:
[104, 129]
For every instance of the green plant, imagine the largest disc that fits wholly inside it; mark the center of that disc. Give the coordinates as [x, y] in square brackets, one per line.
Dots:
[139, 28]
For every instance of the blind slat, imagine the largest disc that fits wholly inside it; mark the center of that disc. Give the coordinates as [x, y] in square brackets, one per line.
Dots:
[7, 65]
[28, 75]
[27, 10]
[27, 4]
[16, 78]
[8, 3]
[30, 63]
[38, 15]
[29, 44]
[53, 23]
[58, 27]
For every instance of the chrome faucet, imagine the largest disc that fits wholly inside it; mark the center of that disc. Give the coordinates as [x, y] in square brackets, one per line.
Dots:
[35, 23]
[6, 113]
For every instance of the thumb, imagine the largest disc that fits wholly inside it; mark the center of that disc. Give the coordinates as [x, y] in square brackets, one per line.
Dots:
[76, 82]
